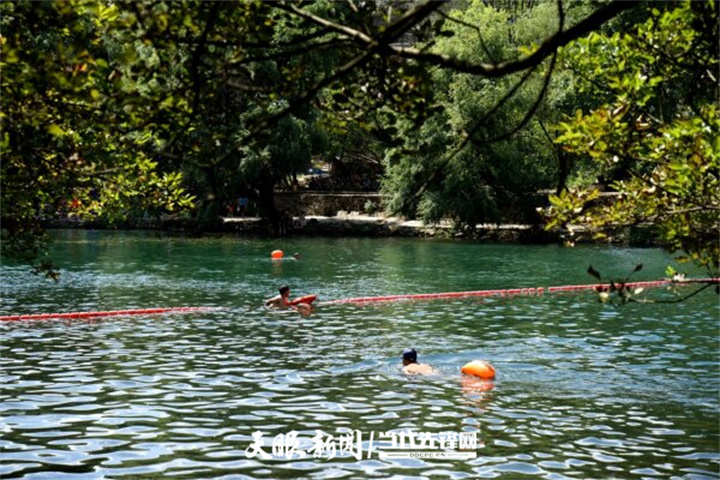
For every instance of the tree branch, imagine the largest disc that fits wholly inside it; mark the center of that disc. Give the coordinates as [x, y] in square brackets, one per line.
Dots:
[332, 42]
[532, 110]
[248, 88]
[466, 139]
[676, 300]
[468, 136]
[347, 31]
[547, 48]
[394, 30]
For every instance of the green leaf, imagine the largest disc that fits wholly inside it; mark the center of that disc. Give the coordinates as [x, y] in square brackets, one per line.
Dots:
[55, 130]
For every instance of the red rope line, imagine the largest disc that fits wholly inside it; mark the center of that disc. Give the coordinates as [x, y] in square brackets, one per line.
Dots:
[515, 291]
[113, 313]
[386, 298]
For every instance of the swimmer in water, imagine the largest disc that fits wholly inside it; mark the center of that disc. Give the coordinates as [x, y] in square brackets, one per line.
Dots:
[282, 301]
[411, 365]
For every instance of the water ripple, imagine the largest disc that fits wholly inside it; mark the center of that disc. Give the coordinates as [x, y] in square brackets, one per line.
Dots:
[583, 391]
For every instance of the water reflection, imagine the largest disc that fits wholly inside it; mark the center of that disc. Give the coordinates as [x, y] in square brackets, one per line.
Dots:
[582, 391]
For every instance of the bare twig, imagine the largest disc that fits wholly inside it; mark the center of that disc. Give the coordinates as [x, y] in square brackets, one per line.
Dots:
[675, 300]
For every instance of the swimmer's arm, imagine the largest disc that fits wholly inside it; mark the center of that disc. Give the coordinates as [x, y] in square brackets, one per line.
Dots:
[274, 301]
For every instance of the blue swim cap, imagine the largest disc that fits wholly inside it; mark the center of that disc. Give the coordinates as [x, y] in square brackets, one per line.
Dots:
[410, 354]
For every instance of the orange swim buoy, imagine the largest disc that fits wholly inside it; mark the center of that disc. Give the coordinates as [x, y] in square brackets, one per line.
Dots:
[306, 299]
[480, 369]
[277, 254]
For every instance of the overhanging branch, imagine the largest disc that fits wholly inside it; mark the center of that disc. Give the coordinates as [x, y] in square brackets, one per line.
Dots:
[393, 31]
[547, 48]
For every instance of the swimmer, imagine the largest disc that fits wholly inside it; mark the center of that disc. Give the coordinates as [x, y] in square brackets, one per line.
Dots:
[411, 365]
[282, 301]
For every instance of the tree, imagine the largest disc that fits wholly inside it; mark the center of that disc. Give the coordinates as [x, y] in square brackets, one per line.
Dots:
[655, 133]
[463, 184]
[230, 74]
[70, 141]
[126, 95]
[368, 61]
[481, 148]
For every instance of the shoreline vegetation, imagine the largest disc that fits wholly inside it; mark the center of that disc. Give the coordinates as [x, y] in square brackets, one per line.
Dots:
[338, 214]
[356, 224]
[458, 112]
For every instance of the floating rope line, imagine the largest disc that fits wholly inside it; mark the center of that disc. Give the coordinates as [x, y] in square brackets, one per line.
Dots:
[652, 283]
[532, 291]
[517, 291]
[112, 313]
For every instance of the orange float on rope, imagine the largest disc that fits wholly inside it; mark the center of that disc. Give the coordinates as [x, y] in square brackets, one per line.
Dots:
[277, 254]
[480, 369]
[306, 299]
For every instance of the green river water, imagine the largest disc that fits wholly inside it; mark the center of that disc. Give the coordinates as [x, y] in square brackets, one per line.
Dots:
[583, 390]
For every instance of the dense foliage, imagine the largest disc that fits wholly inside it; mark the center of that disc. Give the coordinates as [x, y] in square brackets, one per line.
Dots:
[75, 135]
[486, 144]
[655, 132]
[113, 110]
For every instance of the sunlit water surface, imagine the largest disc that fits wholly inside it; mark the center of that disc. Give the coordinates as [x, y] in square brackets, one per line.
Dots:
[584, 390]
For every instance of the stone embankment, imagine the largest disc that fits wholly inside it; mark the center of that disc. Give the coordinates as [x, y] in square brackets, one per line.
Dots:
[302, 218]
[356, 224]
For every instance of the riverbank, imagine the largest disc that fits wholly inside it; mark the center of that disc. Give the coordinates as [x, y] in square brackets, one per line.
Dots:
[336, 214]
[355, 224]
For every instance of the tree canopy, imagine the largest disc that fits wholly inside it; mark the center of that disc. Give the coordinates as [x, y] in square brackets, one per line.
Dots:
[654, 133]
[114, 109]
[485, 144]
[75, 134]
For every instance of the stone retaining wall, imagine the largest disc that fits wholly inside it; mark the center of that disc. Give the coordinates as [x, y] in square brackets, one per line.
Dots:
[307, 203]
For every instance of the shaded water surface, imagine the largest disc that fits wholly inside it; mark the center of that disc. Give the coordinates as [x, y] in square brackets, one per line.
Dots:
[583, 390]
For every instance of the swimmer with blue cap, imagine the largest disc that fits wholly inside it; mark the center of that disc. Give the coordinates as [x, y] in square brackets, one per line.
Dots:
[411, 365]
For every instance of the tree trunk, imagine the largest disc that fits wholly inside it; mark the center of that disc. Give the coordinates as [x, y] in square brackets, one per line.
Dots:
[208, 216]
[268, 209]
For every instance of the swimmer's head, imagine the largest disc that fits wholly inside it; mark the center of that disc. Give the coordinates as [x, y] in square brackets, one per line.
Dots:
[297, 256]
[284, 290]
[409, 356]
